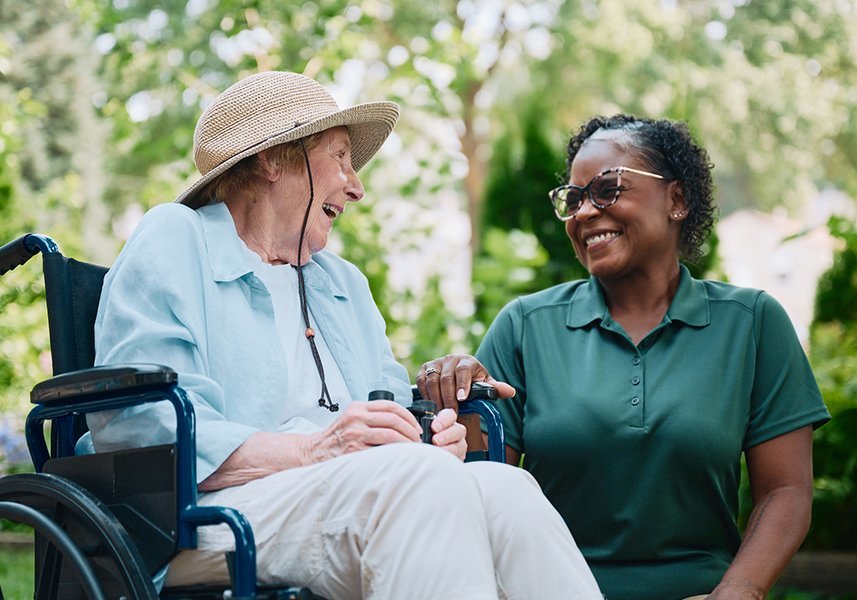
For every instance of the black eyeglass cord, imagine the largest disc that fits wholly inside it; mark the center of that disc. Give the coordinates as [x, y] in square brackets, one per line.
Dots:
[324, 400]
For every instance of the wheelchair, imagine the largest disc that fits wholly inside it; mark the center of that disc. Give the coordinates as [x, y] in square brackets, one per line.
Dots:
[107, 524]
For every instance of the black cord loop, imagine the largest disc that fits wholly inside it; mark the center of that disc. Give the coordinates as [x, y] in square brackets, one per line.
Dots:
[324, 400]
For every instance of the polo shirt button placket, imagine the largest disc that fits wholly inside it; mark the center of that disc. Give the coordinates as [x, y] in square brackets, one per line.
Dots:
[635, 380]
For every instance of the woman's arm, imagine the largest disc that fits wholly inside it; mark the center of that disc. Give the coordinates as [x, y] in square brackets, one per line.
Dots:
[780, 472]
[362, 425]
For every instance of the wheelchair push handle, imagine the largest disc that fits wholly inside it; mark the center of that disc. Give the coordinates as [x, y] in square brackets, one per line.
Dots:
[479, 390]
[18, 252]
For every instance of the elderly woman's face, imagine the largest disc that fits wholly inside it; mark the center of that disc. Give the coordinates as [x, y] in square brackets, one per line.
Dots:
[335, 183]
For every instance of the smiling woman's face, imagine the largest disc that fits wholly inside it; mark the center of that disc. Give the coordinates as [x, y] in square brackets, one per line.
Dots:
[636, 233]
[335, 183]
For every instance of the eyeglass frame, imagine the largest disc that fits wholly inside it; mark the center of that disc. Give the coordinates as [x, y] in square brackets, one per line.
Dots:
[586, 190]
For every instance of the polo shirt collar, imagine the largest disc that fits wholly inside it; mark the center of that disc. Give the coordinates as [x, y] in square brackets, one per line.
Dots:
[587, 305]
[690, 305]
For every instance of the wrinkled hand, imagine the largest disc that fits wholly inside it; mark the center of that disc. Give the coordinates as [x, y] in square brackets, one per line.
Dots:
[449, 433]
[364, 425]
[447, 380]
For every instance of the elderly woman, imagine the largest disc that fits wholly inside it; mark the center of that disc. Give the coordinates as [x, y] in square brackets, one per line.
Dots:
[278, 343]
[639, 389]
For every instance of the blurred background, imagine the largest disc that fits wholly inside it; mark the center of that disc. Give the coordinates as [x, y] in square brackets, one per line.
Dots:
[98, 101]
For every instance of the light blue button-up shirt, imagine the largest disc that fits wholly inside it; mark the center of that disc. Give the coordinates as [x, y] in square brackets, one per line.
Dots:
[182, 293]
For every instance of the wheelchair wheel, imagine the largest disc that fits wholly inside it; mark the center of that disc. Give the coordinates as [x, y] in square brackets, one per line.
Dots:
[111, 554]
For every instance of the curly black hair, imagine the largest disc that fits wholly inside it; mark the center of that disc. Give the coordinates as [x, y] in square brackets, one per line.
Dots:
[668, 148]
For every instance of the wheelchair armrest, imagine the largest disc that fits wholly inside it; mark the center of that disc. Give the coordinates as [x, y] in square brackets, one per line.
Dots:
[111, 387]
[107, 388]
[111, 379]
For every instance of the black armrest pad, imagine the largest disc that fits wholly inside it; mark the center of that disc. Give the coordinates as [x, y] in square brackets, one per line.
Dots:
[106, 379]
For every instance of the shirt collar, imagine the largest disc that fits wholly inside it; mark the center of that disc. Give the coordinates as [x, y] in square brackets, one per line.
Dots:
[689, 306]
[228, 253]
[587, 305]
[225, 248]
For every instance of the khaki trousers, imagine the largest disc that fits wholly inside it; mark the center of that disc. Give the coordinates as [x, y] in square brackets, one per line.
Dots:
[402, 521]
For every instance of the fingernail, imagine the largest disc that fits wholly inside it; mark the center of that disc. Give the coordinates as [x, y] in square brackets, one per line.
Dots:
[461, 394]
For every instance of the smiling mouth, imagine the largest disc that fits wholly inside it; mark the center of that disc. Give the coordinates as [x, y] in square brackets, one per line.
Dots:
[331, 211]
[601, 237]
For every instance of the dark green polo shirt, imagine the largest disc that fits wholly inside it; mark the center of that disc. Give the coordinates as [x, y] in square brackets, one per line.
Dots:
[639, 447]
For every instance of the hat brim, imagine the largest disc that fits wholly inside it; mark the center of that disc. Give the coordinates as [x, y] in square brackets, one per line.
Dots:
[369, 126]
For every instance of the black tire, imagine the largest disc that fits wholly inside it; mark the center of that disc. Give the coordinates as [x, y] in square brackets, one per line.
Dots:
[108, 548]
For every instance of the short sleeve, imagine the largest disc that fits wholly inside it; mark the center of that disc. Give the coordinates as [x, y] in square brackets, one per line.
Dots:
[785, 395]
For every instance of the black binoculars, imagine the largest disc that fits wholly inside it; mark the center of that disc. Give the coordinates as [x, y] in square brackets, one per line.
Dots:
[425, 410]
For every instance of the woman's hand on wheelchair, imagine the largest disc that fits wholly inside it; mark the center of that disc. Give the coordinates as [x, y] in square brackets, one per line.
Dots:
[446, 380]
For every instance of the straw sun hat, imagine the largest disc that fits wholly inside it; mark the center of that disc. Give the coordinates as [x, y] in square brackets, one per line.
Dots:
[274, 107]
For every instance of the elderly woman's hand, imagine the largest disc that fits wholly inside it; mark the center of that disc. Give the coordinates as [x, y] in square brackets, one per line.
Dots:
[447, 380]
[363, 425]
[448, 433]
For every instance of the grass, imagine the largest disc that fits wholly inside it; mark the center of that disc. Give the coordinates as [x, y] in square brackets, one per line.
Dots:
[16, 574]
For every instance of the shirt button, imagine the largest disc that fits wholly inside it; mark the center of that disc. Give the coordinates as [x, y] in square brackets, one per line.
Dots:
[635, 360]
[635, 401]
[635, 380]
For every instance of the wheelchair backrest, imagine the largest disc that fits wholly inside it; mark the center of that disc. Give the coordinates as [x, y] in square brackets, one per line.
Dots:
[72, 293]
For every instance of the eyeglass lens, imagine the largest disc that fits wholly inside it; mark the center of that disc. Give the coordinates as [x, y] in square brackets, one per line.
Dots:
[603, 190]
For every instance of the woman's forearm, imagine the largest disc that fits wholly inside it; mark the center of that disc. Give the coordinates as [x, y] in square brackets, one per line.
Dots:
[777, 526]
[263, 454]
[361, 425]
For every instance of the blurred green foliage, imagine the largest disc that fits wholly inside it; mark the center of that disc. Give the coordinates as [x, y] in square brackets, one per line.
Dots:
[834, 361]
[16, 573]
[836, 298]
[525, 165]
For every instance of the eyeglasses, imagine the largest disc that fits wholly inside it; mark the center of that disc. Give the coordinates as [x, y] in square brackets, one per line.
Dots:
[603, 190]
